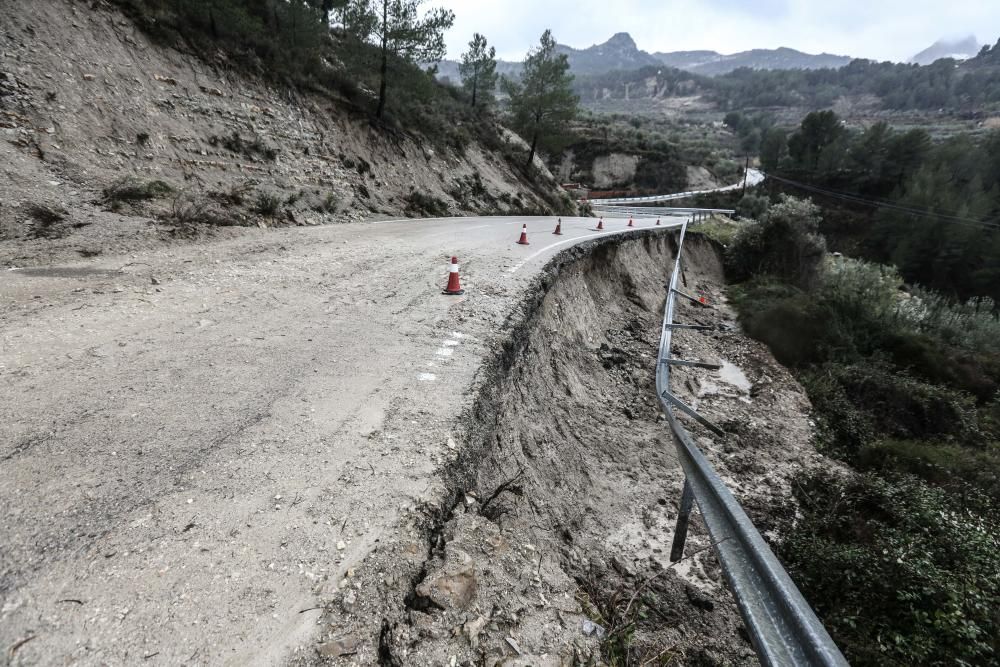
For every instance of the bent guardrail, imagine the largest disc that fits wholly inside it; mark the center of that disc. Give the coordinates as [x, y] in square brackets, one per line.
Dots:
[783, 627]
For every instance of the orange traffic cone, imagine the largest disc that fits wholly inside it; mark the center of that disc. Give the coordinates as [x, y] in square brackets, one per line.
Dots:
[630, 222]
[657, 222]
[558, 231]
[600, 224]
[524, 235]
[453, 285]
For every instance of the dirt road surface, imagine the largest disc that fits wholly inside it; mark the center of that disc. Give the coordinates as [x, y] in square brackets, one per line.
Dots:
[195, 441]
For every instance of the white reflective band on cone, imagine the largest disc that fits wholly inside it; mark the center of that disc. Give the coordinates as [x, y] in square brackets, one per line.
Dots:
[453, 268]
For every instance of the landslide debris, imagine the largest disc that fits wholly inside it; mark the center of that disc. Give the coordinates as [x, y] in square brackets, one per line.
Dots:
[551, 544]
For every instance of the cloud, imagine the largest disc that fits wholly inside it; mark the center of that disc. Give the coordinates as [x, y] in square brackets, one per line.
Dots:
[878, 29]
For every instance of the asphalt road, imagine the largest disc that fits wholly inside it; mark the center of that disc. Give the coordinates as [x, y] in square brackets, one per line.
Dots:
[195, 441]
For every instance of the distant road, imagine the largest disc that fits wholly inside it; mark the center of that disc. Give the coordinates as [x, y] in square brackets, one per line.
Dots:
[753, 177]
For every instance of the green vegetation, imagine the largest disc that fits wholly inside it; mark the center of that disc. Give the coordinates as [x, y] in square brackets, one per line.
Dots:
[479, 71]
[131, 190]
[542, 102]
[928, 208]
[420, 204]
[397, 32]
[251, 149]
[901, 561]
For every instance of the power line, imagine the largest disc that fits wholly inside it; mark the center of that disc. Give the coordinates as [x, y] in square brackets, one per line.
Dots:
[967, 222]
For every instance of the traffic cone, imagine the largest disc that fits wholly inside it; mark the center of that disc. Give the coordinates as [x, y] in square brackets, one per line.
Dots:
[600, 224]
[657, 222]
[558, 231]
[630, 222]
[453, 285]
[524, 235]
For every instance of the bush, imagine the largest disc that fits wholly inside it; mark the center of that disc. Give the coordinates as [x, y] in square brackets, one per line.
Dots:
[419, 204]
[785, 244]
[267, 204]
[897, 570]
[251, 149]
[131, 190]
[859, 402]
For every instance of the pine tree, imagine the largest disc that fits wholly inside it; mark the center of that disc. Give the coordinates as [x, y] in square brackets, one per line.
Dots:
[398, 31]
[479, 70]
[543, 101]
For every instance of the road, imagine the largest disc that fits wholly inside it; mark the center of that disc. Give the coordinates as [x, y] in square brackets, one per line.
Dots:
[194, 440]
[753, 177]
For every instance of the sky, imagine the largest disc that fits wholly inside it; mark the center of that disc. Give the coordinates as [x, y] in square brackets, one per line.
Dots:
[876, 29]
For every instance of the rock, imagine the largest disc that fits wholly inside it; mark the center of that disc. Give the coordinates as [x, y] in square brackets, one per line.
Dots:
[450, 590]
[88, 77]
[347, 645]
[699, 599]
[472, 630]
[165, 79]
[513, 644]
[350, 601]
[592, 629]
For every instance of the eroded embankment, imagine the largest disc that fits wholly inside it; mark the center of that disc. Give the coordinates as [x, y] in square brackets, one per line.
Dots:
[550, 544]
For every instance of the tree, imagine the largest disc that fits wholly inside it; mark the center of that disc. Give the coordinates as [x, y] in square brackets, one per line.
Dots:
[773, 148]
[543, 101]
[399, 32]
[479, 69]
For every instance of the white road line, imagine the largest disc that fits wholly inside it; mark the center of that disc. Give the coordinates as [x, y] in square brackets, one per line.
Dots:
[535, 254]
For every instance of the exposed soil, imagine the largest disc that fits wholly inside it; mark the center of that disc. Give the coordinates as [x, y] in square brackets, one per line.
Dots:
[560, 507]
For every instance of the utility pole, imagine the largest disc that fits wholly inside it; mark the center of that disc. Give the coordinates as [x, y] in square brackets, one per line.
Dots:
[746, 176]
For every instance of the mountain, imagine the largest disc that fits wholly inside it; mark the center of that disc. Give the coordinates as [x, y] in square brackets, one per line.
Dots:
[711, 63]
[618, 53]
[959, 49]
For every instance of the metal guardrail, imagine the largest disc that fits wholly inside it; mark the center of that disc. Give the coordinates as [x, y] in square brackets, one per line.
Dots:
[783, 627]
[750, 178]
[658, 212]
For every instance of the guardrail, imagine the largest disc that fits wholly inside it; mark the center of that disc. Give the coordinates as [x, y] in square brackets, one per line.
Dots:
[783, 627]
[750, 178]
[658, 212]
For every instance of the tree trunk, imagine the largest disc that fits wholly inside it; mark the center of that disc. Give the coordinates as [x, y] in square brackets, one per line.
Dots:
[475, 84]
[531, 153]
[383, 72]
[384, 69]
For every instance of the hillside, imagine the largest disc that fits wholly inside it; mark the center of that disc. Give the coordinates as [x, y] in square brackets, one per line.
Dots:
[111, 141]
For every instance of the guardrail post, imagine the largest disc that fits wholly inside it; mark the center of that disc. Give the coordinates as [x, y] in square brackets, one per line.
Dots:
[683, 518]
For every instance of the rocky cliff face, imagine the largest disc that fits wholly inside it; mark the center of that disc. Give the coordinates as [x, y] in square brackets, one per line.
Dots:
[88, 103]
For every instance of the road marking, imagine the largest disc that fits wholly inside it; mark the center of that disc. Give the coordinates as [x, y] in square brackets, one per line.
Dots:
[520, 265]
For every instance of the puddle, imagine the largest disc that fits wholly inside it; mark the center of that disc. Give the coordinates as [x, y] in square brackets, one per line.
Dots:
[65, 272]
[733, 375]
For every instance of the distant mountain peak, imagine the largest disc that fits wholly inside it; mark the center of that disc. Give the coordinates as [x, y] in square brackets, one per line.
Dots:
[622, 40]
[962, 48]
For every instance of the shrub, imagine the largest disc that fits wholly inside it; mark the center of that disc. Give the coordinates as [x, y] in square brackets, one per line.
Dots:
[897, 570]
[419, 204]
[190, 211]
[267, 204]
[234, 143]
[46, 221]
[131, 190]
[784, 244]
[858, 402]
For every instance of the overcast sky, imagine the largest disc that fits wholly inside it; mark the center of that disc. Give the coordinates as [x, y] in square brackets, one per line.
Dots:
[877, 29]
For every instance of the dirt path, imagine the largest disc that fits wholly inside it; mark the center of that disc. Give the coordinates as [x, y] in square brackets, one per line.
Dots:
[200, 442]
